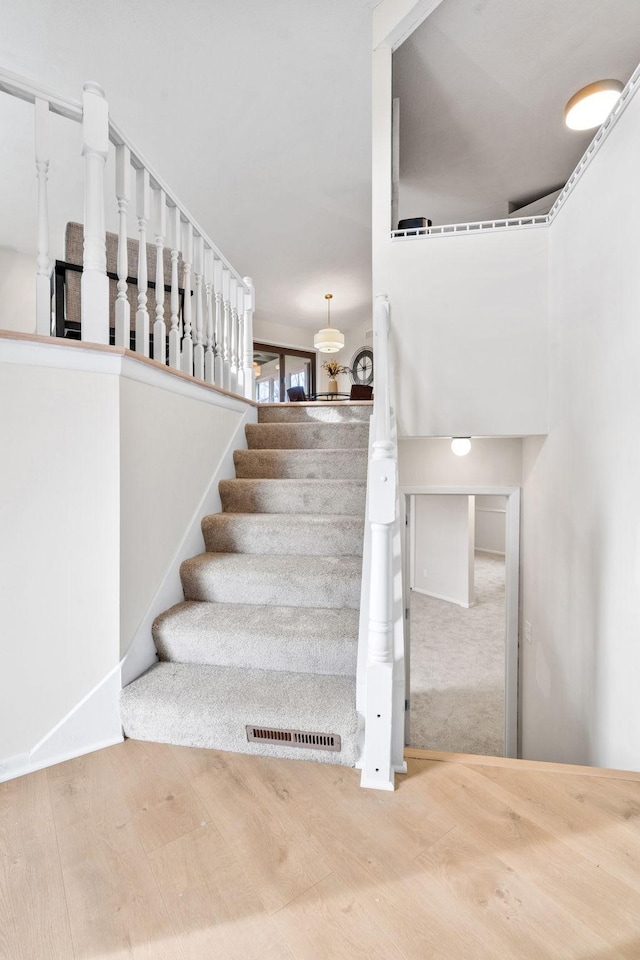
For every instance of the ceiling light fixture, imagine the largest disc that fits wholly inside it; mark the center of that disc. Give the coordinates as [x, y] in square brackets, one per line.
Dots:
[328, 340]
[460, 446]
[590, 107]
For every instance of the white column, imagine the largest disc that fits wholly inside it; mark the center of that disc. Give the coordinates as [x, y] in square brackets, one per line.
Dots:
[187, 260]
[174, 333]
[123, 310]
[226, 330]
[94, 286]
[198, 352]
[160, 327]
[218, 365]
[43, 275]
[233, 340]
[209, 318]
[143, 211]
[249, 307]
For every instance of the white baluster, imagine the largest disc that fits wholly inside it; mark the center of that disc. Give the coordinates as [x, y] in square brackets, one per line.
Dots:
[218, 364]
[226, 330]
[198, 352]
[123, 310]
[240, 376]
[249, 306]
[174, 333]
[187, 260]
[143, 211]
[233, 371]
[94, 286]
[208, 283]
[43, 276]
[160, 327]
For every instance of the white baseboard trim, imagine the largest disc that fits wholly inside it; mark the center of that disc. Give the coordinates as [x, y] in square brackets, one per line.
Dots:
[437, 596]
[496, 553]
[93, 723]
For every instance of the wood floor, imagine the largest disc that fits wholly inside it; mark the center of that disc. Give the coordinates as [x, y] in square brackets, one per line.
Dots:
[165, 853]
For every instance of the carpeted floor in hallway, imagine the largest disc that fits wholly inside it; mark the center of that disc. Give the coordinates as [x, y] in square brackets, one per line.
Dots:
[457, 667]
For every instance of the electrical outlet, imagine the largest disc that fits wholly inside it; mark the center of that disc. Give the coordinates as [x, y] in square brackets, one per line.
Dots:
[527, 632]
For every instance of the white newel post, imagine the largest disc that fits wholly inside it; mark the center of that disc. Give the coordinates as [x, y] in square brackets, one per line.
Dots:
[233, 372]
[209, 308]
[218, 368]
[43, 276]
[143, 211]
[187, 260]
[226, 330]
[198, 352]
[160, 327]
[377, 769]
[94, 285]
[123, 310]
[249, 307]
[240, 349]
[174, 332]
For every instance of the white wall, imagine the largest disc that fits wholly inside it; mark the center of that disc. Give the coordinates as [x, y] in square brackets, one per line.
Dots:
[581, 539]
[469, 332]
[17, 291]
[491, 512]
[60, 522]
[170, 448]
[443, 548]
[430, 462]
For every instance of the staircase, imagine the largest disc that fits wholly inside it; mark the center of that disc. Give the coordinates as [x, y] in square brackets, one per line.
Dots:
[260, 657]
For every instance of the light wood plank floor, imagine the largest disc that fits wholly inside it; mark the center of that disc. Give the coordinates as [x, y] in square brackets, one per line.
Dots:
[166, 853]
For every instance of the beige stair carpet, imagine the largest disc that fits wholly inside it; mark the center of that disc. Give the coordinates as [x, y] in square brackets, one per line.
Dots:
[267, 633]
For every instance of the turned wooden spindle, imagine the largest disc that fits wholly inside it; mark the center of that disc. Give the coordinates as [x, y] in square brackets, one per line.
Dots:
[143, 213]
[198, 351]
[187, 260]
[160, 327]
[122, 308]
[174, 332]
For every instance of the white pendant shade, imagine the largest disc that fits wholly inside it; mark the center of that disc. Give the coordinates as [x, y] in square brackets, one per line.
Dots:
[328, 340]
[591, 106]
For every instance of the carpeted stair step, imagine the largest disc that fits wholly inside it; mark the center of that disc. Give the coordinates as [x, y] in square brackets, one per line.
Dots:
[338, 412]
[306, 640]
[299, 534]
[209, 706]
[288, 496]
[296, 436]
[301, 464]
[277, 580]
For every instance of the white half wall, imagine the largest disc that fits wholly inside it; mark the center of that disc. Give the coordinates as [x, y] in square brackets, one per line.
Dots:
[581, 536]
[443, 548]
[60, 522]
[469, 332]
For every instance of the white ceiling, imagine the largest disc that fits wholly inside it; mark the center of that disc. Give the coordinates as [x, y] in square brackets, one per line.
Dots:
[482, 87]
[257, 114]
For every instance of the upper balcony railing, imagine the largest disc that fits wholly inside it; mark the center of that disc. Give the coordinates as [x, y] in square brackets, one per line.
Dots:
[210, 335]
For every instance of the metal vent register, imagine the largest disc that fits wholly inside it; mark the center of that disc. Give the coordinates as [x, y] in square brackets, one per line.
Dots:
[294, 738]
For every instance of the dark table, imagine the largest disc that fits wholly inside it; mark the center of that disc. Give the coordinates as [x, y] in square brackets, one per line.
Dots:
[331, 396]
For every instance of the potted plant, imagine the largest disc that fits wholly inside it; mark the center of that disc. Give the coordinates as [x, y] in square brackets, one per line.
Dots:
[332, 369]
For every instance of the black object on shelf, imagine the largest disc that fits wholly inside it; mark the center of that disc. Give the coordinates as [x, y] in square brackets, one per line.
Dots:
[417, 224]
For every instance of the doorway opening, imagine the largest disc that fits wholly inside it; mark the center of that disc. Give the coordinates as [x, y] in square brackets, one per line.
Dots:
[461, 566]
[279, 368]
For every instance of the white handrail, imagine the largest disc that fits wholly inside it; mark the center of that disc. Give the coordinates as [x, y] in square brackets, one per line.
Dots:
[99, 130]
[380, 650]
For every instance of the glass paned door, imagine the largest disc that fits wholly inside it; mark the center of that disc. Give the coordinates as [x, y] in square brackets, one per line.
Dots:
[277, 369]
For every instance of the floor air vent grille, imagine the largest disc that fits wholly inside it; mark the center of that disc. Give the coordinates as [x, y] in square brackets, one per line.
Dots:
[294, 738]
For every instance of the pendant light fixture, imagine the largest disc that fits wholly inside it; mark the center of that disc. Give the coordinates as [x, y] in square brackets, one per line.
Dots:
[328, 340]
[590, 107]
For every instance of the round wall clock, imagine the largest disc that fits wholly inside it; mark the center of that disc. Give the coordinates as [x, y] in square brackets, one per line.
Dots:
[361, 371]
